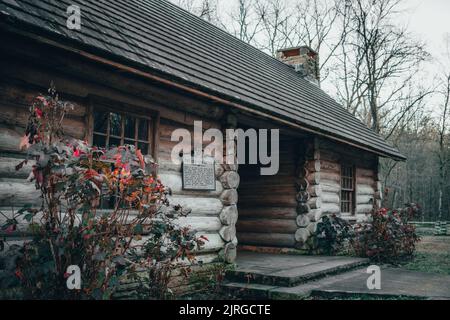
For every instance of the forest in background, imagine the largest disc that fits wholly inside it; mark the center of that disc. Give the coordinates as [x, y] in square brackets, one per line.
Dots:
[373, 65]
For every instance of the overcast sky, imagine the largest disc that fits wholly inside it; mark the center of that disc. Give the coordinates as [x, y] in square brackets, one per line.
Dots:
[429, 19]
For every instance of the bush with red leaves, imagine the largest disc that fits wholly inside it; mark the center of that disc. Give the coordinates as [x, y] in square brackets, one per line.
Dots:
[389, 237]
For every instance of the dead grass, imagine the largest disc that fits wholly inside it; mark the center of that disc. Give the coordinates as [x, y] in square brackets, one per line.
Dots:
[433, 255]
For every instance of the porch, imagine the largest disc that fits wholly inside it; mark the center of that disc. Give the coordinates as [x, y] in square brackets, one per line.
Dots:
[286, 276]
[288, 270]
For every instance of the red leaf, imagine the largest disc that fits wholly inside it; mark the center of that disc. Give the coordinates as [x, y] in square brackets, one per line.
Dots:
[141, 158]
[39, 112]
[24, 142]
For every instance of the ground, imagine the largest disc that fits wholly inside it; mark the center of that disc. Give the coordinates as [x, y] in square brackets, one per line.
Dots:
[433, 255]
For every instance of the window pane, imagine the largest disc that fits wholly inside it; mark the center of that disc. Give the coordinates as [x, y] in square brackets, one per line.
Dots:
[114, 142]
[130, 142]
[143, 129]
[99, 141]
[130, 127]
[144, 147]
[116, 124]
[100, 121]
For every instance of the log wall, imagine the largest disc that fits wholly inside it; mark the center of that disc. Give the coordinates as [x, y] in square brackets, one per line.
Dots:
[267, 204]
[214, 213]
[280, 211]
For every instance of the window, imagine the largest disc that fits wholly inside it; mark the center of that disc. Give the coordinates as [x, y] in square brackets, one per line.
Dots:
[110, 129]
[347, 189]
[115, 129]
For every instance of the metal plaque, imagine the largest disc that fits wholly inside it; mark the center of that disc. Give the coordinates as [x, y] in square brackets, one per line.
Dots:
[199, 176]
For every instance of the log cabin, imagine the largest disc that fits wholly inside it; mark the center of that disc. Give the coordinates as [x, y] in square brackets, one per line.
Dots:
[137, 70]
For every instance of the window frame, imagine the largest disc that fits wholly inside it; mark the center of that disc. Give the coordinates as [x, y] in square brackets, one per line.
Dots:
[351, 191]
[123, 109]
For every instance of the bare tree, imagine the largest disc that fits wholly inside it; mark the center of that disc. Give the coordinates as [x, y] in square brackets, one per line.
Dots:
[245, 23]
[205, 9]
[380, 60]
[275, 18]
[321, 25]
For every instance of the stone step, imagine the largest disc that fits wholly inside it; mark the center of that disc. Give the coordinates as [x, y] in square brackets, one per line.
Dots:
[288, 270]
[397, 283]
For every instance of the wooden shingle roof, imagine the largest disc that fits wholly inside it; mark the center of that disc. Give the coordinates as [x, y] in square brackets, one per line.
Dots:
[159, 37]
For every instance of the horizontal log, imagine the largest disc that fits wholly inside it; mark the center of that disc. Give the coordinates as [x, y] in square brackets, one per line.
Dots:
[18, 117]
[168, 167]
[330, 208]
[267, 212]
[21, 98]
[196, 265]
[331, 186]
[22, 224]
[365, 199]
[214, 243]
[327, 166]
[277, 180]
[330, 198]
[18, 192]
[267, 191]
[270, 201]
[207, 224]
[364, 208]
[365, 180]
[175, 182]
[255, 173]
[266, 226]
[362, 189]
[198, 206]
[195, 223]
[10, 139]
[370, 173]
[266, 239]
[335, 152]
[8, 168]
[315, 215]
[230, 179]
[333, 177]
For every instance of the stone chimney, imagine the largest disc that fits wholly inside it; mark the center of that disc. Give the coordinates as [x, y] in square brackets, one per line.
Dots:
[304, 60]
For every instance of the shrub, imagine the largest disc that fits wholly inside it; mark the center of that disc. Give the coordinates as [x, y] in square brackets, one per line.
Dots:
[69, 228]
[332, 234]
[389, 237]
